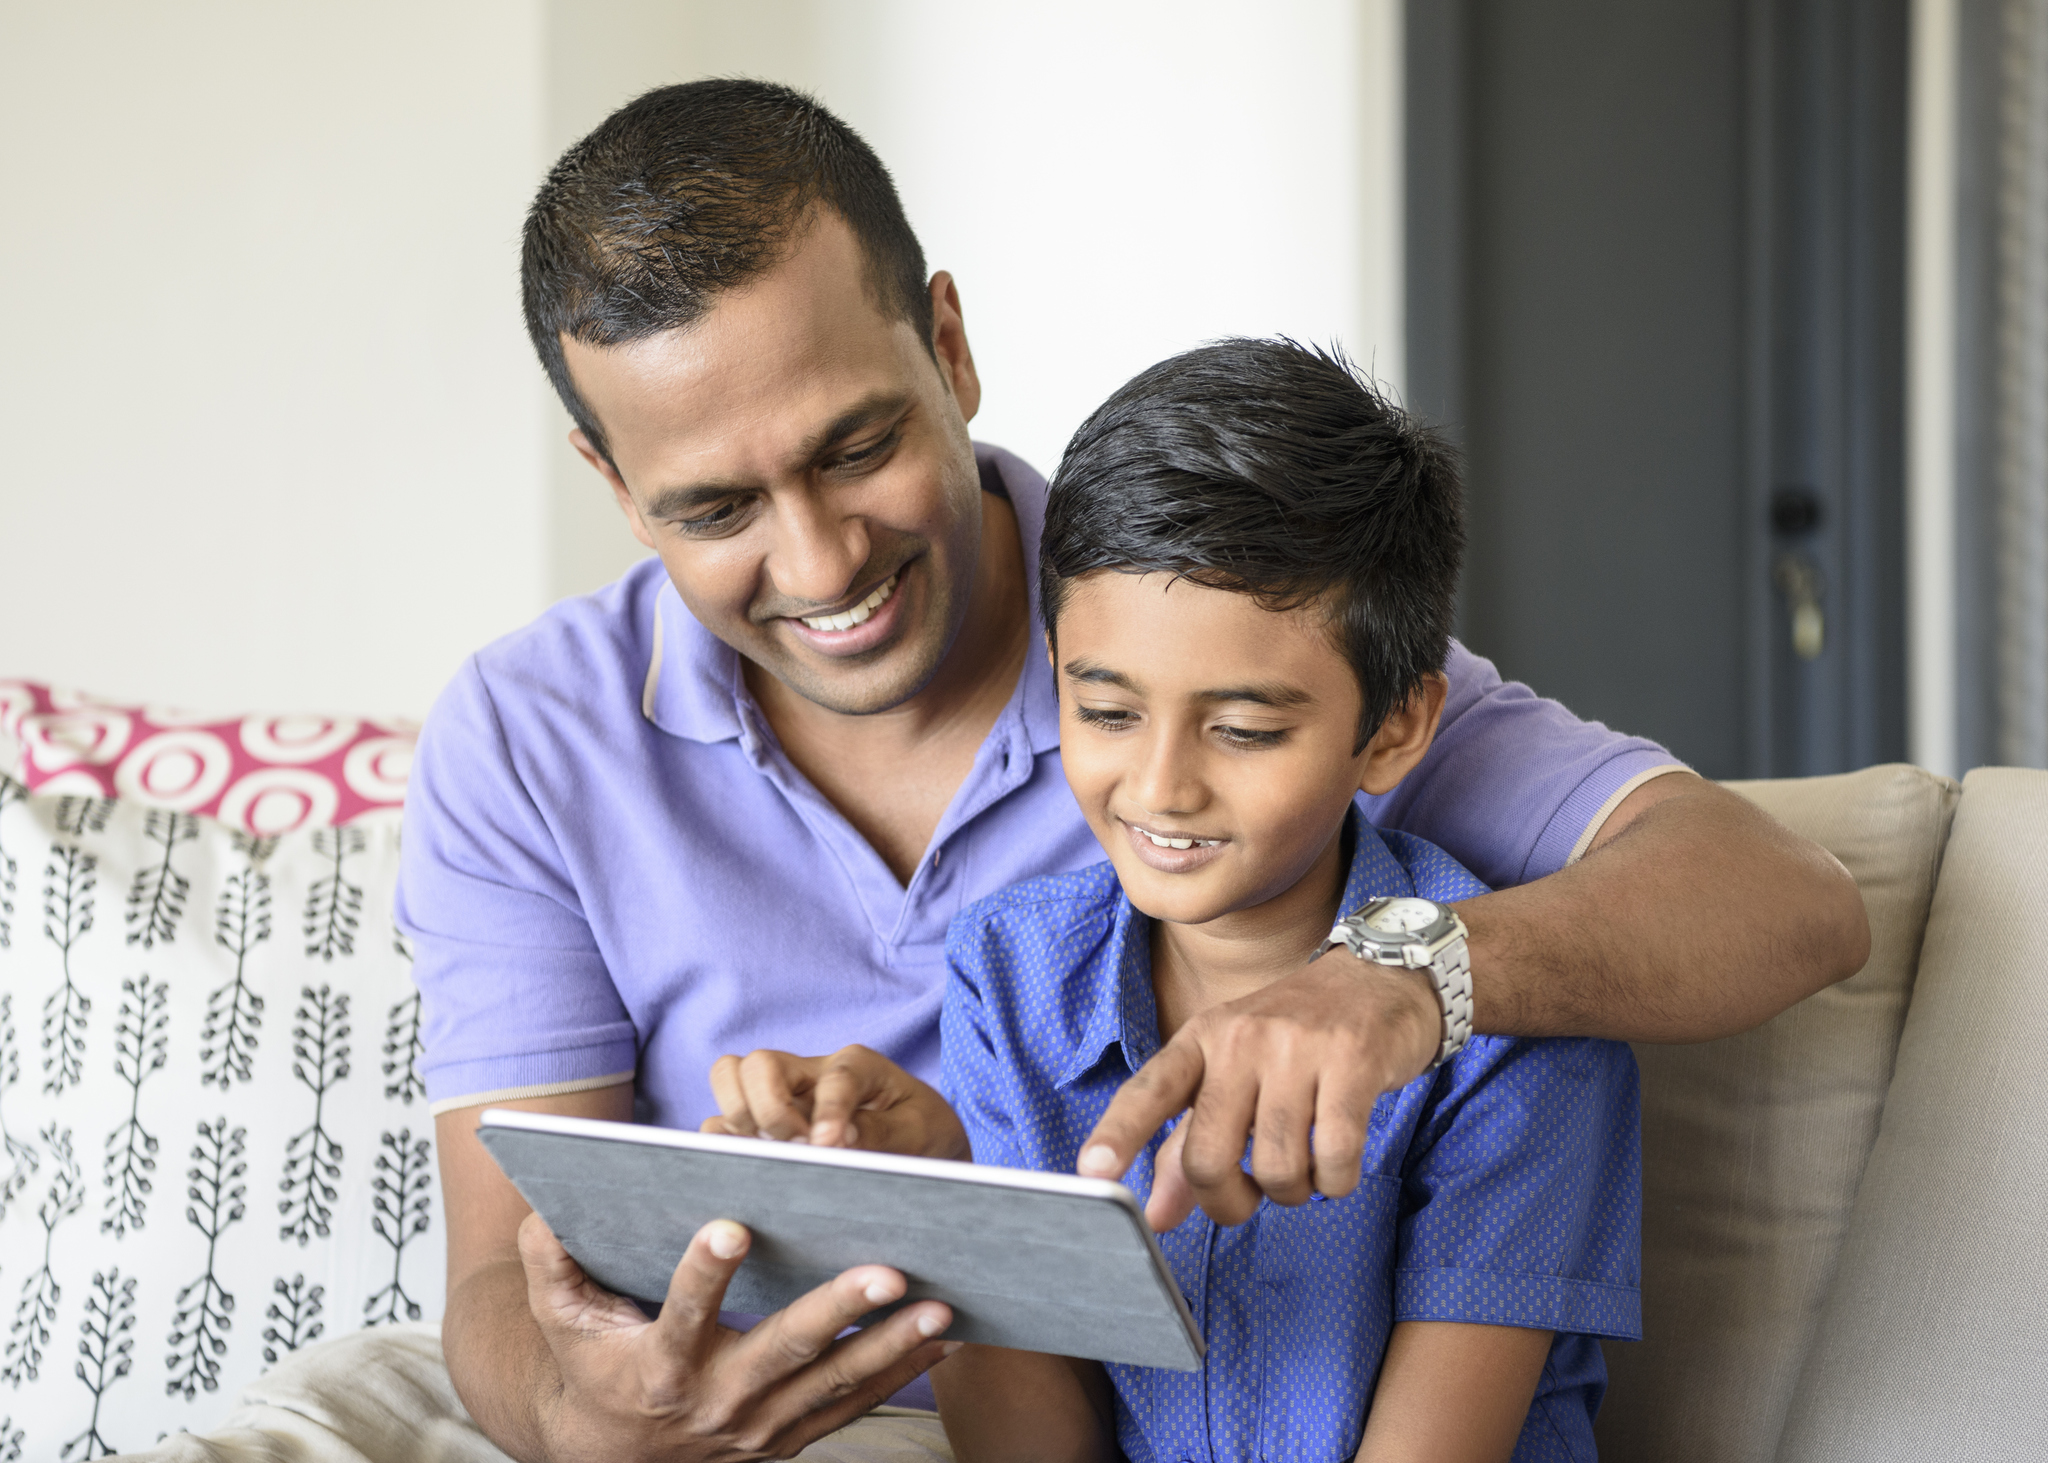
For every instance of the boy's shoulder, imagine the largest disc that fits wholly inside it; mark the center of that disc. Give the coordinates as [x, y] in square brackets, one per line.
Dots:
[1434, 873]
[1049, 899]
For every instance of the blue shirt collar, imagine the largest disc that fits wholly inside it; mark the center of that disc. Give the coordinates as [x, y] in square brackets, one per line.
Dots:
[1124, 1012]
[694, 688]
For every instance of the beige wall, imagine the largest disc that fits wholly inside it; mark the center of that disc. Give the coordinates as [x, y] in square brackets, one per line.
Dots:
[271, 435]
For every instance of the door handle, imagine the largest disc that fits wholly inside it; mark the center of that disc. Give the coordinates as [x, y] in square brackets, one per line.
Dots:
[1800, 580]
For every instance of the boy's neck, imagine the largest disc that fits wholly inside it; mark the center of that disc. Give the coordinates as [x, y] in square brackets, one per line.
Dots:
[1195, 967]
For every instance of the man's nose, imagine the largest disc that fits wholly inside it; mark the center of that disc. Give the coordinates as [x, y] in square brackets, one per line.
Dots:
[816, 552]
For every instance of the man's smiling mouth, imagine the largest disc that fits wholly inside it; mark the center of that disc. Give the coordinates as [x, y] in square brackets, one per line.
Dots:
[1175, 840]
[847, 619]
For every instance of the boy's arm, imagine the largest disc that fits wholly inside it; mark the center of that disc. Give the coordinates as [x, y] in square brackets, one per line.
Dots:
[1452, 1393]
[998, 1405]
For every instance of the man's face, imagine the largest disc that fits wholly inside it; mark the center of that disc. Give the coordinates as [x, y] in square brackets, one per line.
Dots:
[1209, 741]
[803, 469]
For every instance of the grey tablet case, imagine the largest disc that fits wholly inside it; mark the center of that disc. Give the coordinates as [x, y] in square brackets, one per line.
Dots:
[1044, 1262]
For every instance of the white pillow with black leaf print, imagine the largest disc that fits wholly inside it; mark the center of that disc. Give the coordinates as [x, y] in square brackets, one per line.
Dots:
[216, 1143]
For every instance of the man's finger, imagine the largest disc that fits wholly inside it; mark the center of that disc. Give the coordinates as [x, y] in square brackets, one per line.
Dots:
[776, 1092]
[696, 1291]
[732, 1098]
[561, 1297]
[1171, 1200]
[1162, 1087]
[1213, 1159]
[861, 1373]
[801, 1332]
[1280, 1136]
[1343, 1109]
[852, 1079]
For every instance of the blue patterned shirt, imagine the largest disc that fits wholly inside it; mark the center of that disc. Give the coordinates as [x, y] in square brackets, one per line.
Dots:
[1503, 1189]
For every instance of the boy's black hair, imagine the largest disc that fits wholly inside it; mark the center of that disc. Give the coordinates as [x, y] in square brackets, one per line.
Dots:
[1272, 469]
[690, 191]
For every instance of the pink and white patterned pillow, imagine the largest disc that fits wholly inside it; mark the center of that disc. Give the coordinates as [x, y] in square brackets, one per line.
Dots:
[265, 775]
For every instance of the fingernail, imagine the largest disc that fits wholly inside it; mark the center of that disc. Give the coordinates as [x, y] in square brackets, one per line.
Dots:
[929, 1325]
[951, 1347]
[877, 1293]
[1101, 1158]
[724, 1238]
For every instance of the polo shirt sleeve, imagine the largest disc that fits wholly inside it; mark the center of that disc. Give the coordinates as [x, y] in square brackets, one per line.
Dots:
[515, 999]
[1513, 781]
[1522, 1192]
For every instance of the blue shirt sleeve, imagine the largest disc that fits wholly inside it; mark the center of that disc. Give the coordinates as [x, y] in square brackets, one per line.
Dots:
[1522, 1191]
[1512, 780]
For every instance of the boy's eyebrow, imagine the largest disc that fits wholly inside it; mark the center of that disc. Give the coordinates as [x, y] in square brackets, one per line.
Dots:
[1091, 673]
[1259, 693]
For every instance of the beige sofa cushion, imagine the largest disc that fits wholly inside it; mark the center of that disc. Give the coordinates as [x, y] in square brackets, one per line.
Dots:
[1932, 1341]
[1753, 1147]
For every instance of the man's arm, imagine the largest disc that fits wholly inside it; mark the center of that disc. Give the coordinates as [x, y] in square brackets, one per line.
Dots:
[1693, 915]
[1415, 1418]
[553, 1367]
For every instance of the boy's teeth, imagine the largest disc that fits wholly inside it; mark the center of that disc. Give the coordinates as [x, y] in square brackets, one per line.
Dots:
[847, 619]
[1177, 842]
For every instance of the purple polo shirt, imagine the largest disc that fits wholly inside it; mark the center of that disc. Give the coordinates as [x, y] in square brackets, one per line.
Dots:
[611, 871]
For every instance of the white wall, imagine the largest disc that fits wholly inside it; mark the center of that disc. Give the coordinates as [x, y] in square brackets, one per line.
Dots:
[275, 438]
[268, 434]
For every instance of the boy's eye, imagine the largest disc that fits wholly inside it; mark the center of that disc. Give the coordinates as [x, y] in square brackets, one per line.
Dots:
[1104, 716]
[1244, 736]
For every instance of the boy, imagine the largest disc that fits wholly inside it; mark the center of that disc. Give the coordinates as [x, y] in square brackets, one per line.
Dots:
[1247, 580]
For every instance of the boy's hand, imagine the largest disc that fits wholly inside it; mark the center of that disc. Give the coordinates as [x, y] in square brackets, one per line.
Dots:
[1313, 1050]
[855, 1098]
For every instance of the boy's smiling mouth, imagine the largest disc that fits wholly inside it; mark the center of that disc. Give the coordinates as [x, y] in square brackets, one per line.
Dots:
[1171, 850]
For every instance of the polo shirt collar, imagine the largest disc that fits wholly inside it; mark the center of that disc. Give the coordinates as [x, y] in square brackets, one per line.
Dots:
[1124, 1011]
[694, 689]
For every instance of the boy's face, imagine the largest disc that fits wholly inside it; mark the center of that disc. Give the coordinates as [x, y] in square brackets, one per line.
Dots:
[1193, 716]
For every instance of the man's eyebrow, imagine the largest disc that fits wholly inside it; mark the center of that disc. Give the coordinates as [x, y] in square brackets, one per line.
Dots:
[1275, 694]
[675, 502]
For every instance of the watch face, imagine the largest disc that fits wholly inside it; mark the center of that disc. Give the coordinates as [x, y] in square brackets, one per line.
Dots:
[1403, 916]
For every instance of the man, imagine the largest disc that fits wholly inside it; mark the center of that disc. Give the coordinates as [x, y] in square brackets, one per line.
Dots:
[731, 802]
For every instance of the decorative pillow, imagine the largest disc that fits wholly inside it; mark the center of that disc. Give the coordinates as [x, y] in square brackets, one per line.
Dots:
[214, 1145]
[265, 775]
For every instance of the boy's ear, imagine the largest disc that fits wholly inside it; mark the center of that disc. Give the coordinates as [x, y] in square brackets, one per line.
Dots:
[1404, 737]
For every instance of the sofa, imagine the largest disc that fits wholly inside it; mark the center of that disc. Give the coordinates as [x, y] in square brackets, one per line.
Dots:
[220, 1218]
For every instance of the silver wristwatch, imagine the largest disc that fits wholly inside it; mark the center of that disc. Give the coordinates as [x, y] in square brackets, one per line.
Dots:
[1418, 934]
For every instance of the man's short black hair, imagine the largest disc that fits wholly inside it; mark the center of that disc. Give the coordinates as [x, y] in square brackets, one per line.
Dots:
[690, 191]
[1271, 469]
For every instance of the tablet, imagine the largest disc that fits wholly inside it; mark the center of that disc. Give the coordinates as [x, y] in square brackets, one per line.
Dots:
[1040, 1261]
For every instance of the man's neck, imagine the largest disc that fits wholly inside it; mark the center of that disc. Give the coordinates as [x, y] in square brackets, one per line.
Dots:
[893, 773]
[1195, 967]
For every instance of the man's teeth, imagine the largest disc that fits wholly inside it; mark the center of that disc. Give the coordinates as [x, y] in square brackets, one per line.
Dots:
[847, 619]
[1180, 842]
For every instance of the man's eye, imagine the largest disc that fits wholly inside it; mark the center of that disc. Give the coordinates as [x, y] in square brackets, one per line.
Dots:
[1103, 716]
[1244, 736]
[725, 516]
[867, 456]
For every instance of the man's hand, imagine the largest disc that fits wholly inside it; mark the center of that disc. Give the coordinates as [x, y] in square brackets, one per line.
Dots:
[1313, 1050]
[684, 1387]
[855, 1098]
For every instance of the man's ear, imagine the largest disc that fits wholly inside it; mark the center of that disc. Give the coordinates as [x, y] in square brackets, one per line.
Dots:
[950, 348]
[587, 449]
[1404, 737]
